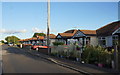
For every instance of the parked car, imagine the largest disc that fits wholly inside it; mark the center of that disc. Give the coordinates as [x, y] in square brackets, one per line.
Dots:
[10, 44]
[36, 46]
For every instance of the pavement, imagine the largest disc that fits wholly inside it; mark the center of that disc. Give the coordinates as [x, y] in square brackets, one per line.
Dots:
[77, 66]
[0, 60]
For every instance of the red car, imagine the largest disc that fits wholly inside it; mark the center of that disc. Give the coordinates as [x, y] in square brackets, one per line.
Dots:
[36, 46]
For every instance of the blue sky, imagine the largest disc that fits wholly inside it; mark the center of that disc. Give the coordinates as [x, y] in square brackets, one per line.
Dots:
[25, 18]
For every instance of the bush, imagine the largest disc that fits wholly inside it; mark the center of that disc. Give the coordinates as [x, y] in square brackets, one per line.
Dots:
[58, 43]
[54, 53]
[96, 55]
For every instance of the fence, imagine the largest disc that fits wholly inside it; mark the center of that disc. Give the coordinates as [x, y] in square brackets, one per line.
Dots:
[67, 51]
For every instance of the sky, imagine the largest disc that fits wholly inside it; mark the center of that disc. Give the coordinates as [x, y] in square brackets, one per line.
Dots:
[23, 19]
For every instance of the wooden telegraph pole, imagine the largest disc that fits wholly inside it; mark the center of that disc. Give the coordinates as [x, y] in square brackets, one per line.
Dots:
[48, 25]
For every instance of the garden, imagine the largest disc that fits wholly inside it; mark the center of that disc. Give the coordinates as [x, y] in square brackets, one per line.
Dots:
[95, 55]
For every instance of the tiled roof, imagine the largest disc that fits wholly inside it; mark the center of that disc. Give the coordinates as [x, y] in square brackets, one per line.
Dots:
[33, 38]
[70, 33]
[26, 39]
[52, 36]
[108, 29]
[21, 40]
[89, 32]
[36, 38]
[66, 34]
[40, 37]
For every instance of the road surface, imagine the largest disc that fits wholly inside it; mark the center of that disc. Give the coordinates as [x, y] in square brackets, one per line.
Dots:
[0, 59]
[19, 61]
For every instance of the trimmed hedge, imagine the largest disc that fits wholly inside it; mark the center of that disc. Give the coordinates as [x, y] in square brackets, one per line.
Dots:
[58, 43]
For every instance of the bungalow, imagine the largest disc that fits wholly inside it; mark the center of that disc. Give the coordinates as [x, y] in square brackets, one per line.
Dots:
[38, 39]
[82, 37]
[108, 34]
[66, 36]
[30, 41]
[52, 39]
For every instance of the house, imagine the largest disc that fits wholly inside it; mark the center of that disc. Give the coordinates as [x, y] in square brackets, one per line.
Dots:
[67, 35]
[108, 34]
[82, 37]
[52, 39]
[30, 41]
[38, 39]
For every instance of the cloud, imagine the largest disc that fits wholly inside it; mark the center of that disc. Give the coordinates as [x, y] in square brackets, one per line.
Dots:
[23, 31]
[4, 31]
[36, 30]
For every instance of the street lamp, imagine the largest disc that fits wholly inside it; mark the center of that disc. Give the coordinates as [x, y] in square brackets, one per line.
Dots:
[48, 25]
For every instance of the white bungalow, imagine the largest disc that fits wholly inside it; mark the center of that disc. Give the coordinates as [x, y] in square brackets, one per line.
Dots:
[30, 41]
[108, 34]
[82, 37]
[39, 39]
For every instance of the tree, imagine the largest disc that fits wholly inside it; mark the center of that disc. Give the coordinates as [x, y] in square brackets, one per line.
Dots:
[2, 41]
[12, 39]
[39, 34]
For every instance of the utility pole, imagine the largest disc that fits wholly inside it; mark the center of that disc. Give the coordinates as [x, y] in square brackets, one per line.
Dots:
[48, 25]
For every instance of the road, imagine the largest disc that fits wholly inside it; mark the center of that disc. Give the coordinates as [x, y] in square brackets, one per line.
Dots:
[19, 61]
[0, 60]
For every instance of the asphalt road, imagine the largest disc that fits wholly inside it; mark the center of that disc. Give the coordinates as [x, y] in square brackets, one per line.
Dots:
[19, 61]
[0, 60]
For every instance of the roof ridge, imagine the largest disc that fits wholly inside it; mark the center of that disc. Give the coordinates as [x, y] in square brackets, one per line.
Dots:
[88, 30]
[107, 25]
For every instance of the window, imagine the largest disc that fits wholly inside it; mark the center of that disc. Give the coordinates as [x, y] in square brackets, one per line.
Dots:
[115, 40]
[102, 41]
[88, 41]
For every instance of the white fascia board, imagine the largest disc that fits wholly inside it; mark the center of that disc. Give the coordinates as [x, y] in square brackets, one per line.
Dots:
[116, 31]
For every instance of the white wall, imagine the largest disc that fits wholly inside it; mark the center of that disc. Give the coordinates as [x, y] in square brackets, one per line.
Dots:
[51, 41]
[61, 40]
[71, 41]
[93, 40]
[109, 42]
[33, 42]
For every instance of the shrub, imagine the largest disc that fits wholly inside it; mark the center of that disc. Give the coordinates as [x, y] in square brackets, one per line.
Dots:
[96, 55]
[54, 53]
[58, 43]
